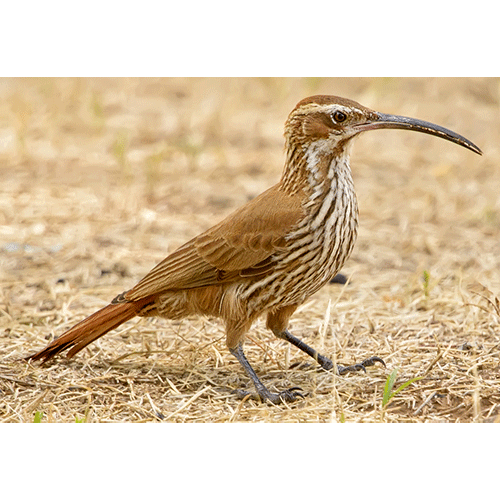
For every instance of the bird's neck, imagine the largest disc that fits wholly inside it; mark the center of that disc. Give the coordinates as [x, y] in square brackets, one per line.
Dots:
[318, 172]
[329, 226]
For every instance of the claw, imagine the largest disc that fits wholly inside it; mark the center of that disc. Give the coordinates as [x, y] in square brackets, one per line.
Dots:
[242, 394]
[374, 359]
[287, 396]
[293, 389]
[342, 370]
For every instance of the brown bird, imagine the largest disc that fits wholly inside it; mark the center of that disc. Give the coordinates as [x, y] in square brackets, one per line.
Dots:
[271, 254]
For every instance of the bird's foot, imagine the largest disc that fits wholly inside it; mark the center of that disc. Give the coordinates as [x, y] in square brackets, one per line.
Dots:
[263, 393]
[276, 398]
[342, 370]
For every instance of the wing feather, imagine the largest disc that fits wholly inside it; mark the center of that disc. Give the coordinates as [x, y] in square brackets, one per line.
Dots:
[242, 245]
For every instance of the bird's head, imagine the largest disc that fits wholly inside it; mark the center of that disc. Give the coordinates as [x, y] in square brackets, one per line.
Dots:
[329, 122]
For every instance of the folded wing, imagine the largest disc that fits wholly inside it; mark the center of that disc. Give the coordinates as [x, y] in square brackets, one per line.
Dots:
[242, 245]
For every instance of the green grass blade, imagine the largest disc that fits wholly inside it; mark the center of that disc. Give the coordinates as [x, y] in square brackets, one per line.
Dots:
[406, 384]
[389, 384]
[38, 417]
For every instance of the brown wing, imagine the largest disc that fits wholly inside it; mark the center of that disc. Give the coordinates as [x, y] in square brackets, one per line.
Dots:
[243, 244]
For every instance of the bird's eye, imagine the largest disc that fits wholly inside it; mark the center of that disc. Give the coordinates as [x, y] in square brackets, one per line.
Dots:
[339, 117]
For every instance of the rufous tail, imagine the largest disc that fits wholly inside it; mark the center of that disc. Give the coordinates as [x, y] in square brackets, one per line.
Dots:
[89, 329]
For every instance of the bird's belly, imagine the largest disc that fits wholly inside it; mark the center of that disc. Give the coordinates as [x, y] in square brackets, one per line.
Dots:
[298, 276]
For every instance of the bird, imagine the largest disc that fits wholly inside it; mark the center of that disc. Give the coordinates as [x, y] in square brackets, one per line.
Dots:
[270, 255]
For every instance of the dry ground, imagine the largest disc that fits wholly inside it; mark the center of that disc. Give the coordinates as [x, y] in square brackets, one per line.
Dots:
[100, 179]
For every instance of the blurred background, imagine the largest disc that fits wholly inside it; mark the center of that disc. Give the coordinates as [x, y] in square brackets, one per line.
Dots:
[101, 178]
[93, 170]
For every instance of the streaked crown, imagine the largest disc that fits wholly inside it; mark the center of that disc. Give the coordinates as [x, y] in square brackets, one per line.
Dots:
[323, 117]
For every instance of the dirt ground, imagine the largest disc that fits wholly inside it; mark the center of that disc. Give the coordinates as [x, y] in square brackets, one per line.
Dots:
[101, 178]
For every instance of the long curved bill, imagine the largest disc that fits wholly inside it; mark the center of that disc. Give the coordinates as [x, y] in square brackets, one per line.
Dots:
[382, 120]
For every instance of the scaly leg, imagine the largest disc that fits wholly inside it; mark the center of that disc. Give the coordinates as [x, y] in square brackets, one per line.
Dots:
[326, 363]
[264, 393]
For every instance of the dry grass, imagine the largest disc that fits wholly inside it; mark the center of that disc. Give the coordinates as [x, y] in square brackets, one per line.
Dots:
[100, 179]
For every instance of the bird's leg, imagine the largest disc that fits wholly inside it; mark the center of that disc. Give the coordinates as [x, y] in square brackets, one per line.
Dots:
[277, 322]
[326, 363]
[264, 393]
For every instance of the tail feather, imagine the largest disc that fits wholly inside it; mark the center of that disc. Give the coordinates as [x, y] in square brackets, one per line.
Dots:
[89, 329]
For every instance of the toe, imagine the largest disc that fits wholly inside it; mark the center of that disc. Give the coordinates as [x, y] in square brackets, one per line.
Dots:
[290, 395]
[374, 359]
